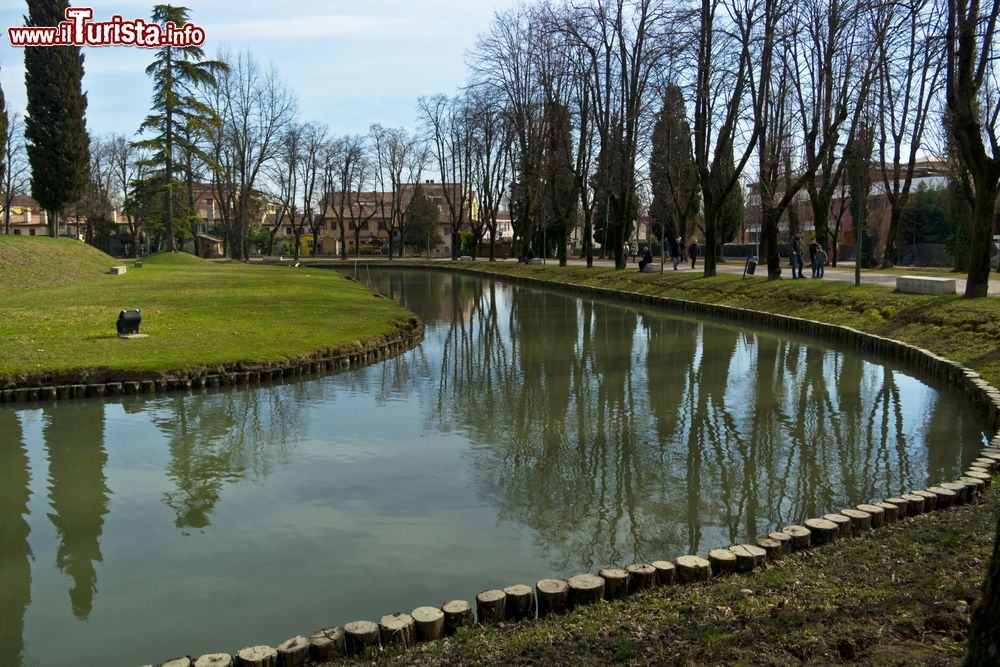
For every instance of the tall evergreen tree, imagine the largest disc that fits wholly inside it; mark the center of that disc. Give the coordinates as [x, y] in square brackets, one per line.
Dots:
[559, 204]
[859, 184]
[55, 126]
[179, 116]
[731, 214]
[3, 135]
[672, 172]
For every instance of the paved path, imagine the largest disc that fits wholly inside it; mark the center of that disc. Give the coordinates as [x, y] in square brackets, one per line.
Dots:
[844, 273]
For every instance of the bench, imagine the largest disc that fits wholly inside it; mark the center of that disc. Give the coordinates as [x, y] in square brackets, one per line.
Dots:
[465, 258]
[118, 270]
[925, 285]
[652, 267]
[534, 260]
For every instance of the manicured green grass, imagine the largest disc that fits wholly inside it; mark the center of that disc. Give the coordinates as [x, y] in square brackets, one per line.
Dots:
[197, 314]
[41, 261]
[966, 330]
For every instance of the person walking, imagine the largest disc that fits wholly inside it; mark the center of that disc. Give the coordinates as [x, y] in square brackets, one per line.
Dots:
[820, 261]
[676, 252]
[797, 257]
[693, 252]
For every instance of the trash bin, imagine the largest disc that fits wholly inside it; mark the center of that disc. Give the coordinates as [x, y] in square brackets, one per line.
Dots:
[751, 265]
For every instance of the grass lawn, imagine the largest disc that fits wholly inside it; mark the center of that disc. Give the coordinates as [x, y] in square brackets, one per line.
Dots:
[197, 314]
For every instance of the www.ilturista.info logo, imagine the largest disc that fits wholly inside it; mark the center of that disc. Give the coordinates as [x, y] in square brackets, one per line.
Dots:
[79, 30]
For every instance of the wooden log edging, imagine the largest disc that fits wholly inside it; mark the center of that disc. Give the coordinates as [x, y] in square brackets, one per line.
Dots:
[228, 375]
[558, 595]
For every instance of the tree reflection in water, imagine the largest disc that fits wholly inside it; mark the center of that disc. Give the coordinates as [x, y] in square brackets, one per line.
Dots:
[15, 552]
[618, 433]
[78, 493]
[222, 437]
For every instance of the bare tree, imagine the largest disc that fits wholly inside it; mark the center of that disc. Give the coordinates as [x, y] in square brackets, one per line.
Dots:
[314, 147]
[129, 166]
[15, 168]
[909, 71]
[255, 107]
[345, 174]
[399, 159]
[973, 97]
[450, 127]
[491, 161]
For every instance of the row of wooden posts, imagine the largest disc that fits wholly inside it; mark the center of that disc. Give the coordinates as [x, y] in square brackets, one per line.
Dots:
[554, 596]
[361, 357]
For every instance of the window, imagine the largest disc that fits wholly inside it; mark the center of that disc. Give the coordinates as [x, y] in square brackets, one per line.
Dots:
[17, 232]
[446, 230]
[31, 232]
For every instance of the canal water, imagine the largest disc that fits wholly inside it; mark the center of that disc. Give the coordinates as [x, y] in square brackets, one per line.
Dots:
[532, 434]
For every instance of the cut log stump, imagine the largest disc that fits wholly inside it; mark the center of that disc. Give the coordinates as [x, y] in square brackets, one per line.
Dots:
[843, 523]
[615, 582]
[823, 531]
[930, 499]
[457, 614]
[748, 557]
[976, 474]
[214, 660]
[978, 485]
[692, 568]
[183, 661]
[859, 520]
[916, 503]
[961, 492]
[520, 603]
[801, 537]
[666, 573]
[723, 561]
[640, 577]
[585, 589]
[359, 636]
[326, 644]
[257, 656]
[784, 539]
[771, 547]
[491, 606]
[428, 623]
[945, 497]
[553, 596]
[293, 652]
[890, 512]
[901, 504]
[397, 630]
[877, 513]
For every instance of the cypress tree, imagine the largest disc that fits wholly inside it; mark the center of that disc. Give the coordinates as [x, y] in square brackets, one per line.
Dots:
[3, 134]
[55, 126]
[672, 173]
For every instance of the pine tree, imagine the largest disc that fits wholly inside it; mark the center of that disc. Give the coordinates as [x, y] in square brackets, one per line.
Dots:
[55, 126]
[178, 114]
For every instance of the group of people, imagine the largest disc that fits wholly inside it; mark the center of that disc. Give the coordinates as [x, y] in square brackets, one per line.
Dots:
[677, 249]
[817, 258]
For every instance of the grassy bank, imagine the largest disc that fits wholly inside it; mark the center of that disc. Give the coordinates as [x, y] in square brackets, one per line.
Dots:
[897, 596]
[197, 314]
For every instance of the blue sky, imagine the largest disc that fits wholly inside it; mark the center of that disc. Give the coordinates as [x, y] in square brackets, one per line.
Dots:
[349, 63]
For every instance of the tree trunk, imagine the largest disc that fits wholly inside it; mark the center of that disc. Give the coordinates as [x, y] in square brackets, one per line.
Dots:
[769, 225]
[984, 640]
[978, 281]
[890, 256]
[711, 229]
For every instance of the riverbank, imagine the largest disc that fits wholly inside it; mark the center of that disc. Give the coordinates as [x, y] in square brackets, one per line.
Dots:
[199, 318]
[898, 596]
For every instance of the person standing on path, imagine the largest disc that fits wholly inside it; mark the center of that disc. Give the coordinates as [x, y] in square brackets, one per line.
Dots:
[797, 257]
[693, 252]
[676, 251]
[812, 256]
[820, 261]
